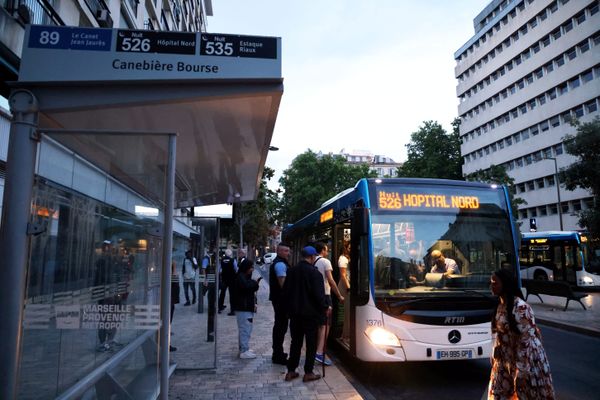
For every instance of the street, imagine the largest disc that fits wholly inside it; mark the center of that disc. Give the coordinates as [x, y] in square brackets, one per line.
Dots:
[573, 360]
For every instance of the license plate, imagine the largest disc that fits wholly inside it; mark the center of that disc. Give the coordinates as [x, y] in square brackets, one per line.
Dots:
[454, 354]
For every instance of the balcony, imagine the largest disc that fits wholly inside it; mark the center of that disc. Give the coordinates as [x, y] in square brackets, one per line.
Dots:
[33, 12]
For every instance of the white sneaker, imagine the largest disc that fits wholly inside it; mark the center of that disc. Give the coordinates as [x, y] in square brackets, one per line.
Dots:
[247, 354]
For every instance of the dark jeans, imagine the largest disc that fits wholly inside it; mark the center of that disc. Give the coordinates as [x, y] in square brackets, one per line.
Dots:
[303, 328]
[280, 328]
[224, 287]
[187, 285]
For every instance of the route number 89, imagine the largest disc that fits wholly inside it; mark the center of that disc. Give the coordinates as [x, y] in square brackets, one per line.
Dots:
[49, 37]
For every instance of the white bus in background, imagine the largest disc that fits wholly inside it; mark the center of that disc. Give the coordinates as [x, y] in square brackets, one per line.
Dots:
[567, 256]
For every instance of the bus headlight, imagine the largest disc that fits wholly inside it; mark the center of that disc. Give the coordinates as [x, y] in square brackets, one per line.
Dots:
[382, 337]
[587, 280]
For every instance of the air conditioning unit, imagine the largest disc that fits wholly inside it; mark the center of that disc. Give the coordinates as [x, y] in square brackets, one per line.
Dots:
[104, 19]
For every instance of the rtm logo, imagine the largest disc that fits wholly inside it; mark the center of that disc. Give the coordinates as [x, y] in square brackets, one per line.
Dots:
[454, 320]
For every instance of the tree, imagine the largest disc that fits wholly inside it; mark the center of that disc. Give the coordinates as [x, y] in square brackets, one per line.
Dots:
[497, 174]
[433, 153]
[311, 179]
[254, 219]
[585, 172]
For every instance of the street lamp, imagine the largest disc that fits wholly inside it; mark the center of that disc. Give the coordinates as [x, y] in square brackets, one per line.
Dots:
[557, 190]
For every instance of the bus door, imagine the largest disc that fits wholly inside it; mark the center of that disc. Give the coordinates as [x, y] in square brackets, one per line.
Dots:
[341, 251]
[572, 262]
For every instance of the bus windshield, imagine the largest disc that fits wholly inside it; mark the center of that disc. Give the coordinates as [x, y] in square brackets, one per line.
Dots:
[591, 255]
[470, 227]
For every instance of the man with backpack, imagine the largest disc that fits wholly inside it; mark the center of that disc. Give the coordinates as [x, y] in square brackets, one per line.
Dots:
[228, 273]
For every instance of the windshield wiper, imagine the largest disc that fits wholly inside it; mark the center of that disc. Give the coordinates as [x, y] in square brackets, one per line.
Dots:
[471, 291]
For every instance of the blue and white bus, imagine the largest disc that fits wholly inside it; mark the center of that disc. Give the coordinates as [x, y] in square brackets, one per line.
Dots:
[567, 256]
[398, 309]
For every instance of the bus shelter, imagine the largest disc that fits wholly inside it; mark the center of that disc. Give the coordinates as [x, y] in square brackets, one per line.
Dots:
[112, 130]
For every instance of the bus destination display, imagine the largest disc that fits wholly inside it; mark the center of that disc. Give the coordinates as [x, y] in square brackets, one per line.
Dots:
[394, 200]
[238, 46]
[131, 41]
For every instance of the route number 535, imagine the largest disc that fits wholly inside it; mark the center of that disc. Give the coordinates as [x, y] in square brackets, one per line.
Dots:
[135, 44]
[218, 49]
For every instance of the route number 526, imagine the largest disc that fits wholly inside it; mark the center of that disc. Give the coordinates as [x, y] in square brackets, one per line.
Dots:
[218, 49]
[135, 44]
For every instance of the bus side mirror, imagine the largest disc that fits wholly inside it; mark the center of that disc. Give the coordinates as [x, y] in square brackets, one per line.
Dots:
[360, 221]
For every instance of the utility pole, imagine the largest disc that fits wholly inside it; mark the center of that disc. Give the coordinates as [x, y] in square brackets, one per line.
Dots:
[560, 219]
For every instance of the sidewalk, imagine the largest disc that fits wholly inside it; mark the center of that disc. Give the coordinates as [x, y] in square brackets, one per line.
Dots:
[574, 319]
[260, 379]
[235, 378]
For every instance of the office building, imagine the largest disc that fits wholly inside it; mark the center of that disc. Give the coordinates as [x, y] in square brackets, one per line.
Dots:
[530, 67]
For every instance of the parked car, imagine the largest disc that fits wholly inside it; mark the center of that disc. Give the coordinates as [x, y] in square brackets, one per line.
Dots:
[269, 257]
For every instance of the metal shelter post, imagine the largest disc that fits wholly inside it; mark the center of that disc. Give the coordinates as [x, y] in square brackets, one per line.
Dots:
[14, 239]
[165, 298]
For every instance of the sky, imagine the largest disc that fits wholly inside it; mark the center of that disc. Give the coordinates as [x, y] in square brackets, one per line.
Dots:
[358, 75]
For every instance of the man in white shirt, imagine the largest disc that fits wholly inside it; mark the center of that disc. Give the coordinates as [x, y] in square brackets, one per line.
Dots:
[324, 266]
[441, 264]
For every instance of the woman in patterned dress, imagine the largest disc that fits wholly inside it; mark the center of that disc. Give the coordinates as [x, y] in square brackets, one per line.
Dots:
[520, 369]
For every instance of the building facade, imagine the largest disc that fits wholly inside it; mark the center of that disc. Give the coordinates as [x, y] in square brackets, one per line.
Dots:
[531, 66]
[383, 166]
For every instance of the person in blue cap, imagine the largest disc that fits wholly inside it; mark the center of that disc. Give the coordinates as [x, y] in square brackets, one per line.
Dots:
[304, 293]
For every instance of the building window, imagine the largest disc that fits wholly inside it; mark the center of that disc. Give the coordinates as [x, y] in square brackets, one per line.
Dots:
[560, 60]
[573, 83]
[533, 212]
[530, 186]
[587, 76]
[550, 181]
[549, 67]
[591, 107]
[525, 134]
[584, 46]
[558, 149]
[564, 207]
[553, 209]
[562, 89]
[555, 121]
[578, 111]
[556, 34]
[544, 126]
[568, 26]
[571, 54]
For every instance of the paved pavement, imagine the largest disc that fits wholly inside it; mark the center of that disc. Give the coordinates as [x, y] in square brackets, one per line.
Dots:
[235, 378]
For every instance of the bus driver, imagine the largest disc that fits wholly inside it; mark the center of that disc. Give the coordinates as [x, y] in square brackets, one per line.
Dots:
[441, 264]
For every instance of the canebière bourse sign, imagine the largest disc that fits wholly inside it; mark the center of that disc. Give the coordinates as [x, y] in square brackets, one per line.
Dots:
[58, 53]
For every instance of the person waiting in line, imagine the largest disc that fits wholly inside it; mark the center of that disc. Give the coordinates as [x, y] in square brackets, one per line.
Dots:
[324, 266]
[174, 297]
[441, 264]
[304, 294]
[520, 368]
[190, 265]
[277, 275]
[229, 267]
[344, 286]
[244, 305]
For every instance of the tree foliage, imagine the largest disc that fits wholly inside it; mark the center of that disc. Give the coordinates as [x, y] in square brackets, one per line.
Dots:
[311, 179]
[585, 172]
[257, 217]
[497, 174]
[433, 153]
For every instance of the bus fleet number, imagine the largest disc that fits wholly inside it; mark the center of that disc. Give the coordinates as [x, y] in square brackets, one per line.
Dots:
[374, 322]
[47, 37]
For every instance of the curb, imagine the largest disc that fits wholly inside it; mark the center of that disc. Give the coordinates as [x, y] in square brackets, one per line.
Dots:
[569, 327]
